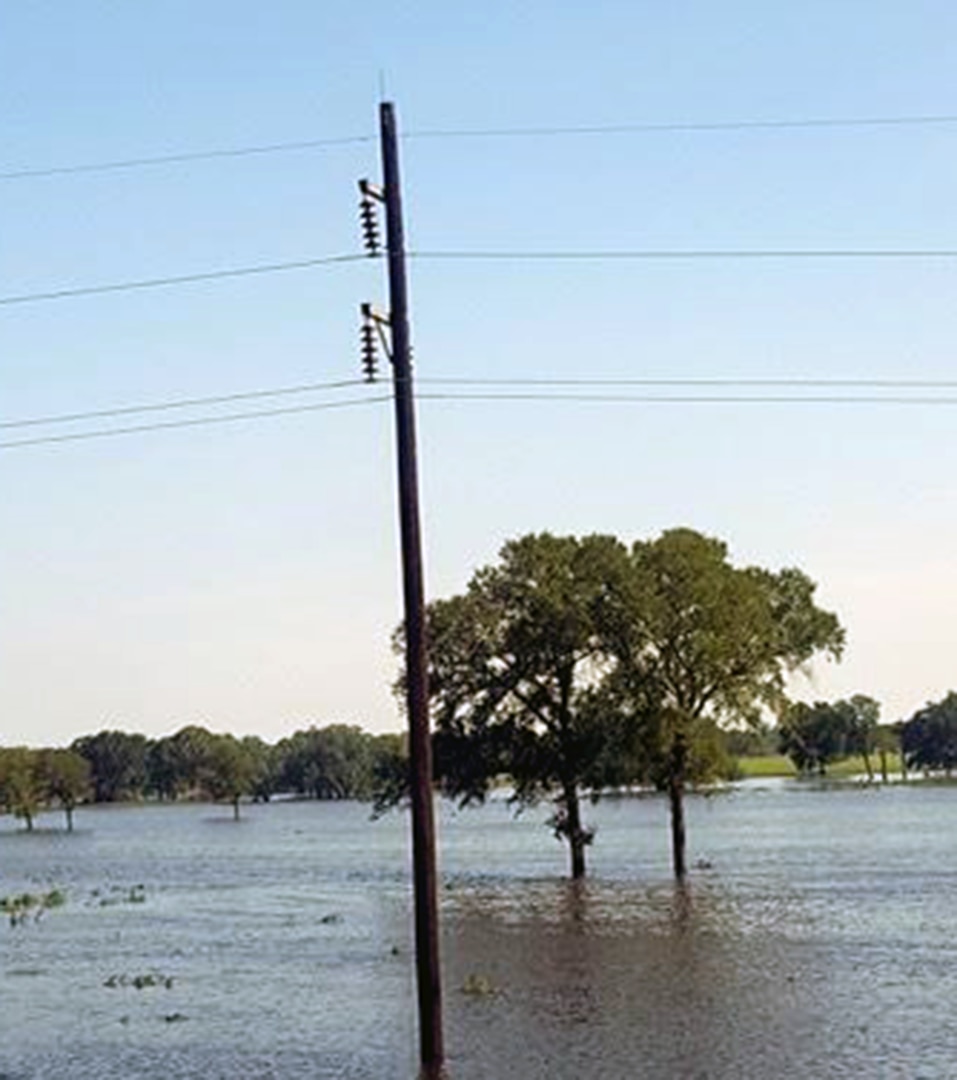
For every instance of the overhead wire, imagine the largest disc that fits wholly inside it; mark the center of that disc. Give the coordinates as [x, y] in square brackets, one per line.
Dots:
[534, 382]
[532, 131]
[694, 254]
[517, 255]
[190, 422]
[691, 399]
[131, 285]
[182, 403]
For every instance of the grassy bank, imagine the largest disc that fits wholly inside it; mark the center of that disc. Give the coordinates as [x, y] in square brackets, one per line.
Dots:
[779, 765]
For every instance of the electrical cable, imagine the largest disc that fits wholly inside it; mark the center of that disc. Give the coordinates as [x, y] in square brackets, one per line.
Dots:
[694, 399]
[547, 131]
[182, 158]
[181, 403]
[611, 255]
[691, 254]
[890, 383]
[182, 279]
[533, 382]
[198, 421]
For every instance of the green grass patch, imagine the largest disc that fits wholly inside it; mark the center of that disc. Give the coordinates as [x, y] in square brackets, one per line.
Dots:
[779, 765]
[765, 765]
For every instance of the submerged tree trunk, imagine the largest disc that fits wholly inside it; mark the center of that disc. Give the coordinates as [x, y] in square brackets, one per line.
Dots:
[571, 827]
[236, 809]
[69, 817]
[676, 794]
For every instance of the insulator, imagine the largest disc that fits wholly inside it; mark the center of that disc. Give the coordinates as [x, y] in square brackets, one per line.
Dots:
[368, 350]
[370, 226]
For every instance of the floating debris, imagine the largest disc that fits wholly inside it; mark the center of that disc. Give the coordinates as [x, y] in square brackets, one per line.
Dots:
[479, 986]
[20, 908]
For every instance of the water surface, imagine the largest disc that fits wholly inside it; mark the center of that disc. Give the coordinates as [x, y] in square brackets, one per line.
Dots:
[815, 938]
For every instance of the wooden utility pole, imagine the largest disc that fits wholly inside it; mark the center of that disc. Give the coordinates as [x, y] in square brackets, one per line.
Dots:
[428, 974]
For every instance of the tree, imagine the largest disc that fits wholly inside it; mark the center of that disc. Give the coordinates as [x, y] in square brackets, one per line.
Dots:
[863, 734]
[227, 770]
[21, 787]
[333, 762]
[707, 643]
[929, 738]
[515, 665]
[117, 763]
[65, 777]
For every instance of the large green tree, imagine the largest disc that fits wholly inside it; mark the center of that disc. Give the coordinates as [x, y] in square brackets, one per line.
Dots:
[515, 665]
[706, 643]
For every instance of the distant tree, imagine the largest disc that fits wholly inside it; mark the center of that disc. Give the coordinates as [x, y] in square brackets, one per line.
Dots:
[707, 643]
[117, 763]
[929, 738]
[65, 777]
[164, 774]
[390, 772]
[516, 663]
[21, 785]
[266, 765]
[814, 736]
[333, 762]
[227, 771]
[863, 729]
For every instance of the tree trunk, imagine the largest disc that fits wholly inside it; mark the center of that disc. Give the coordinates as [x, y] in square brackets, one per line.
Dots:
[883, 753]
[867, 765]
[577, 838]
[676, 793]
[236, 809]
[69, 817]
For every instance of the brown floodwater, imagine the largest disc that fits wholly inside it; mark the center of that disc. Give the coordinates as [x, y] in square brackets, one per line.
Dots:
[815, 938]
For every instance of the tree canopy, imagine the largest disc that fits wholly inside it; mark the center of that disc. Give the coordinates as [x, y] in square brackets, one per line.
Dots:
[576, 664]
[929, 738]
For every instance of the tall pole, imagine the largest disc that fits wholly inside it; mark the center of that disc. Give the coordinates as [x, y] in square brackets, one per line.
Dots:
[428, 975]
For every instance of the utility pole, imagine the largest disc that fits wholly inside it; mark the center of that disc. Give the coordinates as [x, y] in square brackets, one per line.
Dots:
[428, 974]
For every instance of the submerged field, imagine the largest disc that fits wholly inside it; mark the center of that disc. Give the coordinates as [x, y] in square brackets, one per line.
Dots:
[815, 938]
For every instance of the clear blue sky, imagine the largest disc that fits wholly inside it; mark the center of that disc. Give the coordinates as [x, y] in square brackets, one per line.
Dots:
[246, 576]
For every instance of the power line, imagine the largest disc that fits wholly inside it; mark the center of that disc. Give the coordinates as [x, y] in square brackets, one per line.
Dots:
[802, 381]
[533, 382]
[152, 160]
[513, 397]
[320, 387]
[596, 255]
[180, 403]
[695, 399]
[198, 421]
[550, 131]
[181, 279]
[688, 254]
[687, 126]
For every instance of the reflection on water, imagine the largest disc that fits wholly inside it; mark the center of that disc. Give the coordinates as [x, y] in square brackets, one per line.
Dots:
[815, 939]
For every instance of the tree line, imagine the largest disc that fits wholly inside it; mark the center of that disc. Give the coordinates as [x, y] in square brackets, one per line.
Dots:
[338, 761]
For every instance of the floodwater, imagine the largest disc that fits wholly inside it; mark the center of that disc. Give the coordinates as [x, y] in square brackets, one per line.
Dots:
[815, 939]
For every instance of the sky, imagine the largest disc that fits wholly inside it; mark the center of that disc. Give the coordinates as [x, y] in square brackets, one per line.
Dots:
[245, 575]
